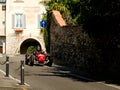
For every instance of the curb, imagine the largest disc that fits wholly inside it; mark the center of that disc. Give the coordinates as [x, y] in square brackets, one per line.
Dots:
[12, 88]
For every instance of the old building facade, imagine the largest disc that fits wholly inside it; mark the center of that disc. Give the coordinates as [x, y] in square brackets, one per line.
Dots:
[19, 25]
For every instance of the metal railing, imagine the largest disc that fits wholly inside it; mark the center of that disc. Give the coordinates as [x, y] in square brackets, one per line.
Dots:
[21, 69]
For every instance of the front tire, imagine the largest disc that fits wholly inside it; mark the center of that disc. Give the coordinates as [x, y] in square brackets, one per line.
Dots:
[26, 59]
[50, 62]
[31, 62]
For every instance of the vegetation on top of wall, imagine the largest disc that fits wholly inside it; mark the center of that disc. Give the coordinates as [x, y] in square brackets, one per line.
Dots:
[45, 33]
[60, 6]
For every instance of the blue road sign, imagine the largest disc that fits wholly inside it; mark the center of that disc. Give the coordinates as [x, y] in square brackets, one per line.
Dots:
[43, 23]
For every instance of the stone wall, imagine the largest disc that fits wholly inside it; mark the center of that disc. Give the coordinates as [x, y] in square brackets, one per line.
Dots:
[71, 46]
[75, 47]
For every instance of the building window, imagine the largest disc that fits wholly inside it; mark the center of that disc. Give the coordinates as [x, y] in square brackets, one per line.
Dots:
[3, 22]
[3, 7]
[2, 1]
[18, 21]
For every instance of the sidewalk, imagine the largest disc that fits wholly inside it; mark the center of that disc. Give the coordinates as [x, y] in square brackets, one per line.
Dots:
[7, 83]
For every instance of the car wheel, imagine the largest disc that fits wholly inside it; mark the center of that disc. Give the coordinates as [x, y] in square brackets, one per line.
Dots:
[50, 62]
[31, 62]
[26, 59]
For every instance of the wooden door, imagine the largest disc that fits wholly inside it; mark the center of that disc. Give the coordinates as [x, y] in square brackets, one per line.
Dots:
[1, 49]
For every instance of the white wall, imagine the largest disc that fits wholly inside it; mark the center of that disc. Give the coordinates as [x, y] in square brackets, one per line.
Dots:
[31, 9]
[2, 21]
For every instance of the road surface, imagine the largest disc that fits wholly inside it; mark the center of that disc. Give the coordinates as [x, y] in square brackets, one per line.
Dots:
[52, 78]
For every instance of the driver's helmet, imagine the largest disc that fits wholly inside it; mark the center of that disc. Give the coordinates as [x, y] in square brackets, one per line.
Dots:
[38, 48]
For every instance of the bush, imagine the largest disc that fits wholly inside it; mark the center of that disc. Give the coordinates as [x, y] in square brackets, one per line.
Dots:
[30, 49]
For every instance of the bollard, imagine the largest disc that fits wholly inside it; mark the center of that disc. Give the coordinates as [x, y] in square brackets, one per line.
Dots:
[7, 66]
[22, 73]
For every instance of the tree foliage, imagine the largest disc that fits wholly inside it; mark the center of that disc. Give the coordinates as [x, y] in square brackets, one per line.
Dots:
[60, 5]
[103, 24]
[82, 10]
[31, 49]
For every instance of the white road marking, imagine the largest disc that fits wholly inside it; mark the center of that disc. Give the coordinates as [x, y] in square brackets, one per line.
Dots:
[110, 85]
[13, 77]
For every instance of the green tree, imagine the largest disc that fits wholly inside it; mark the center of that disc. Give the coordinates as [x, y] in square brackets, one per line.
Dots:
[59, 5]
[73, 11]
[30, 49]
[103, 23]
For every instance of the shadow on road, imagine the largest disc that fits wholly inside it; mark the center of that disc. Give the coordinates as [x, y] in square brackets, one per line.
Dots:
[65, 72]
[87, 77]
[61, 71]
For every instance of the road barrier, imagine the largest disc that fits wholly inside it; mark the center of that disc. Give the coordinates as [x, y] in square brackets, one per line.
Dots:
[22, 72]
[7, 66]
[21, 69]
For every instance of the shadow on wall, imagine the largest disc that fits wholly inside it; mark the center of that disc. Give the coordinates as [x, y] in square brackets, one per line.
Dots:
[93, 48]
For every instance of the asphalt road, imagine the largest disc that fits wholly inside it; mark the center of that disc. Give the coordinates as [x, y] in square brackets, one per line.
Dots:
[52, 78]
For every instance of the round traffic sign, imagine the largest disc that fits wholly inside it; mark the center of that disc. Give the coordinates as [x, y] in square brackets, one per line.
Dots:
[43, 23]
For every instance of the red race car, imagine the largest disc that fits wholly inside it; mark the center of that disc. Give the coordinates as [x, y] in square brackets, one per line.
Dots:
[38, 59]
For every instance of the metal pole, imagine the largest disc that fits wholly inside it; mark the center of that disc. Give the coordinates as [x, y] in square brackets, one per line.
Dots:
[22, 72]
[7, 66]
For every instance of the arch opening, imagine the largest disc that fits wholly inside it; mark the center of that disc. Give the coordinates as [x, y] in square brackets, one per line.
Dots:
[26, 44]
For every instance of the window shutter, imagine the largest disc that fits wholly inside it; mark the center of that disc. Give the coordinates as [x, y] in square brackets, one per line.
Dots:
[24, 21]
[13, 21]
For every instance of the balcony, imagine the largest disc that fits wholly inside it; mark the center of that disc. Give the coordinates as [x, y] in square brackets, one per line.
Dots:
[18, 1]
[18, 30]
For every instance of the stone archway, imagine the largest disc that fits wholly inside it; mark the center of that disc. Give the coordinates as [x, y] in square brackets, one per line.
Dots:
[28, 42]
